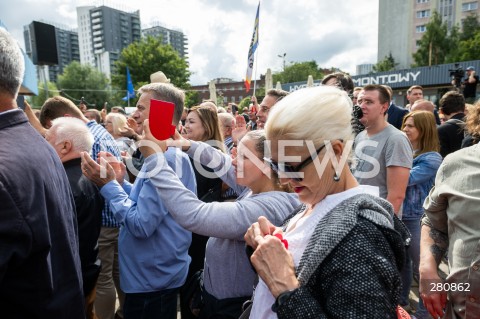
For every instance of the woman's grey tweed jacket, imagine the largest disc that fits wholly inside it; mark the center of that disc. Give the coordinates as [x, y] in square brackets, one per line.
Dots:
[350, 267]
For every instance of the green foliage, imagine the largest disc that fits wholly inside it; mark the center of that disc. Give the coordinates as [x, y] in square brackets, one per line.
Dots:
[37, 101]
[387, 64]
[192, 98]
[244, 103]
[298, 72]
[470, 27]
[438, 46]
[145, 57]
[434, 45]
[79, 81]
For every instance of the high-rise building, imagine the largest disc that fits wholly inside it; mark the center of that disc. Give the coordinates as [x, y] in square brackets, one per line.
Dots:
[67, 48]
[173, 37]
[103, 32]
[401, 24]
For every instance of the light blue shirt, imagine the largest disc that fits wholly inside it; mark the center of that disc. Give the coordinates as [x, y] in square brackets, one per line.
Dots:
[153, 248]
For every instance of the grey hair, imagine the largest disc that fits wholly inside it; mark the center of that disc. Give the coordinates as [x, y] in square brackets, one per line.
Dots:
[226, 119]
[12, 64]
[73, 130]
[169, 93]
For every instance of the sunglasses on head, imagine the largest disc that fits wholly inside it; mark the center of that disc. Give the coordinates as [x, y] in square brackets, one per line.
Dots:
[280, 168]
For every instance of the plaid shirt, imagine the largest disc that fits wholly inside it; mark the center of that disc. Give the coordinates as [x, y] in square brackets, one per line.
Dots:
[103, 141]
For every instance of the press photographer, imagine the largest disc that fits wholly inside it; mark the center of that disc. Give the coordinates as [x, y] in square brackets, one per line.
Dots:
[470, 85]
[457, 75]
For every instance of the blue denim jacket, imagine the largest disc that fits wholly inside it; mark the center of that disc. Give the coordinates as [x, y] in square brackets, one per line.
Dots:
[422, 178]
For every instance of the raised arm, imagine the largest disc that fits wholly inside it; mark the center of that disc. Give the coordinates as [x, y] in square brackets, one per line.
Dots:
[220, 163]
[227, 220]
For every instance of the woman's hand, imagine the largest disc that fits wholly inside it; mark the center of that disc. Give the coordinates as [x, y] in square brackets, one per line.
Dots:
[273, 263]
[258, 231]
[178, 140]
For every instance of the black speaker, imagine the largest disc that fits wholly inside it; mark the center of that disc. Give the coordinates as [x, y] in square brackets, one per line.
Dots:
[44, 43]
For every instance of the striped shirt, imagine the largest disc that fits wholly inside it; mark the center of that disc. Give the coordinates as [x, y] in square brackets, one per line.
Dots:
[103, 141]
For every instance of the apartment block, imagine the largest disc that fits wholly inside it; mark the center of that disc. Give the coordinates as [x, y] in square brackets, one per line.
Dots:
[103, 32]
[175, 38]
[401, 24]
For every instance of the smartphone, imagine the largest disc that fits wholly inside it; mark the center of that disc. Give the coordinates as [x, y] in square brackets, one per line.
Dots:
[160, 119]
[21, 102]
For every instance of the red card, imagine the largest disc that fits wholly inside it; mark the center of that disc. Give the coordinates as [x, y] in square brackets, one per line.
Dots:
[160, 119]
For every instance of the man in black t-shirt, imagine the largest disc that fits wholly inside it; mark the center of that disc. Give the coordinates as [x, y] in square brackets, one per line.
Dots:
[470, 85]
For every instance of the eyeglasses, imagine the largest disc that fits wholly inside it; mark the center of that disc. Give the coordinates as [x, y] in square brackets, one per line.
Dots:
[287, 168]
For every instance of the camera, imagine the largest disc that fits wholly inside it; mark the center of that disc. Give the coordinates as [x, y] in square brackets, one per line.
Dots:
[457, 74]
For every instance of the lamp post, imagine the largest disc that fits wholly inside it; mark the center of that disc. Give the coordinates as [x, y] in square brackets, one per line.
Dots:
[283, 56]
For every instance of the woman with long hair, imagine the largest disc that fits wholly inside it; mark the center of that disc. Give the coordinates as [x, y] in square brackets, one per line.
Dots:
[421, 129]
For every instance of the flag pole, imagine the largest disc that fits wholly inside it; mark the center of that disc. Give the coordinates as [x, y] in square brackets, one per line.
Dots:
[255, 78]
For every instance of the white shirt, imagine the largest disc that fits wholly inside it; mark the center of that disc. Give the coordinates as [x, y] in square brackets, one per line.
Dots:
[298, 238]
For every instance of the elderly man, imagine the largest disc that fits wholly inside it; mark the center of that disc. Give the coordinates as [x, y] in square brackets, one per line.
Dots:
[451, 224]
[108, 282]
[153, 248]
[40, 273]
[227, 123]
[69, 137]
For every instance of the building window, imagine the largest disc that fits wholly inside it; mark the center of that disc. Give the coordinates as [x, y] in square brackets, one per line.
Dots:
[420, 28]
[470, 6]
[423, 1]
[423, 14]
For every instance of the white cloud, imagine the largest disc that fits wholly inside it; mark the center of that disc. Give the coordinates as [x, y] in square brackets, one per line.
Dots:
[338, 34]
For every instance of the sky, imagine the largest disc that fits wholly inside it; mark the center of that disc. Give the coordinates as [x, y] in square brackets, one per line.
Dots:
[340, 34]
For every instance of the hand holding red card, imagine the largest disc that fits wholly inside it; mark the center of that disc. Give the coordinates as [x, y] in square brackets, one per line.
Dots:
[160, 119]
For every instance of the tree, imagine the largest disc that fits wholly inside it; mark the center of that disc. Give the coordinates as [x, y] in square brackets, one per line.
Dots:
[470, 26]
[148, 56]
[192, 98]
[79, 81]
[435, 45]
[298, 72]
[37, 101]
[387, 64]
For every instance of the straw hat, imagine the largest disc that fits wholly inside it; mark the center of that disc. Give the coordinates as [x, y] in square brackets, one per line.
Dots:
[159, 77]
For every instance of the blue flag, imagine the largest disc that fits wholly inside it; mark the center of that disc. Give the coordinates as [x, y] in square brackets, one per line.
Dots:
[130, 90]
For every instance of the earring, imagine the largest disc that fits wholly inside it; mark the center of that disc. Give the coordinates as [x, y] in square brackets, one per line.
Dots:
[336, 178]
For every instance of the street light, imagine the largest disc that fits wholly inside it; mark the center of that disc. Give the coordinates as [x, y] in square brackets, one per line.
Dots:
[283, 56]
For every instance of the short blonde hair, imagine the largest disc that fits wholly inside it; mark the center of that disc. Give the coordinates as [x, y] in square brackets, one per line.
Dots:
[317, 114]
[119, 121]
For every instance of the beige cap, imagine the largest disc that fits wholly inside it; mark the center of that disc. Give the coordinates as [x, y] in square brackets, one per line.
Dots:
[159, 77]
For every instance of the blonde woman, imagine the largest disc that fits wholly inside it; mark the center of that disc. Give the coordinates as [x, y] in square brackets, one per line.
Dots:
[114, 124]
[343, 252]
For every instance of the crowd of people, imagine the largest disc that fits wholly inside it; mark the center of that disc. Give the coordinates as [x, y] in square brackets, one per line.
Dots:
[327, 202]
